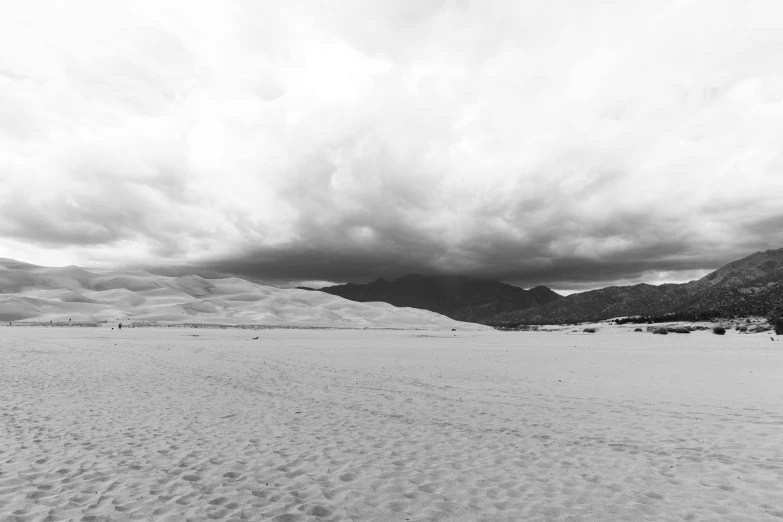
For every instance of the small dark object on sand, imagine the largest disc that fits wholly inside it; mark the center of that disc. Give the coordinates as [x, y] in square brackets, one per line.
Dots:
[638, 330]
[119, 326]
[719, 330]
[589, 330]
[255, 337]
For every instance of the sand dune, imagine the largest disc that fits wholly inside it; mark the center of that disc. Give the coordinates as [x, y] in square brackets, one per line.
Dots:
[379, 425]
[30, 292]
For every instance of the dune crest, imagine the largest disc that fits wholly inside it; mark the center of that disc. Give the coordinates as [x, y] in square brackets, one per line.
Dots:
[36, 293]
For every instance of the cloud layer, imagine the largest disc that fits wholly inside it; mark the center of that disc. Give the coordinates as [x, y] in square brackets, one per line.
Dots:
[563, 143]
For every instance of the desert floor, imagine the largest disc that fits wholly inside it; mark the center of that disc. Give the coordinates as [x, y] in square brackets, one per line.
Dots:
[192, 424]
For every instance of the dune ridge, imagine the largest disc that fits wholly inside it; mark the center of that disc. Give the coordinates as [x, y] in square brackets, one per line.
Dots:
[30, 292]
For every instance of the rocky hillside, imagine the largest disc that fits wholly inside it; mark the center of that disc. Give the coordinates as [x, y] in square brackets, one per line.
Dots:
[460, 298]
[745, 287]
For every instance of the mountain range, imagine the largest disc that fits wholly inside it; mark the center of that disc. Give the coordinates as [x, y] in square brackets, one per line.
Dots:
[749, 286]
[461, 298]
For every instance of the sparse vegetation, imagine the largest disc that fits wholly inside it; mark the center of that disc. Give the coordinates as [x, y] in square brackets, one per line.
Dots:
[719, 330]
[589, 330]
[775, 319]
[669, 318]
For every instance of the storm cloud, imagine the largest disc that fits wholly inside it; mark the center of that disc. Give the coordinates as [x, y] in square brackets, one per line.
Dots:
[572, 144]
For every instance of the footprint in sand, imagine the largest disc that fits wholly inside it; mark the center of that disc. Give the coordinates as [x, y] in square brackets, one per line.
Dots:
[218, 514]
[319, 512]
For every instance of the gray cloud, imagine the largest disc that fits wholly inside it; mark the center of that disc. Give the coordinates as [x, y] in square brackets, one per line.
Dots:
[332, 255]
[567, 144]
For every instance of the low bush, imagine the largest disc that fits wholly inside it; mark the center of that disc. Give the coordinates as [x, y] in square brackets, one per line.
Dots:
[775, 319]
[589, 330]
[719, 330]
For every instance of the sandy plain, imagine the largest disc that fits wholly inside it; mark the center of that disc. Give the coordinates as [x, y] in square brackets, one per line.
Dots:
[388, 425]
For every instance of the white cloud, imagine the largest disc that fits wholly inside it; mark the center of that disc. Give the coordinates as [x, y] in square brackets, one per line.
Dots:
[482, 137]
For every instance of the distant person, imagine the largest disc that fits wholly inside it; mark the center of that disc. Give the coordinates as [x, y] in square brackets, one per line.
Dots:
[119, 326]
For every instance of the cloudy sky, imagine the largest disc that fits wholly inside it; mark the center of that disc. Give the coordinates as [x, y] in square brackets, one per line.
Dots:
[572, 143]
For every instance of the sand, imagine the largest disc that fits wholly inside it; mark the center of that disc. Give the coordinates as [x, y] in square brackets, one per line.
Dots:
[180, 424]
[35, 293]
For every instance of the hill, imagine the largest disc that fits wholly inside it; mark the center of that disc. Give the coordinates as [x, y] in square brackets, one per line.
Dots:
[36, 293]
[749, 286]
[460, 298]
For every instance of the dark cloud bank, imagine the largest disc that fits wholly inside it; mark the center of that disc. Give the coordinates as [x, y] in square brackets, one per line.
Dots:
[573, 145]
[325, 255]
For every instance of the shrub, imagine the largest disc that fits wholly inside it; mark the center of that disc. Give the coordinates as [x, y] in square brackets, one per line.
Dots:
[775, 319]
[589, 330]
[637, 330]
[681, 329]
[661, 331]
[719, 330]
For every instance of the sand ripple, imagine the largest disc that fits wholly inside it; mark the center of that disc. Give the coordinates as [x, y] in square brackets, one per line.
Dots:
[162, 426]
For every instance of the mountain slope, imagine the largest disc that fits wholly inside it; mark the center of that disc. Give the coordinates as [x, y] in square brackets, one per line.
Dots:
[460, 298]
[30, 292]
[751, 285]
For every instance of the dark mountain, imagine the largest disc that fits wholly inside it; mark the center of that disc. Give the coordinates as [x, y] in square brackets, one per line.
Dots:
[749, 286]
[461, 298]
